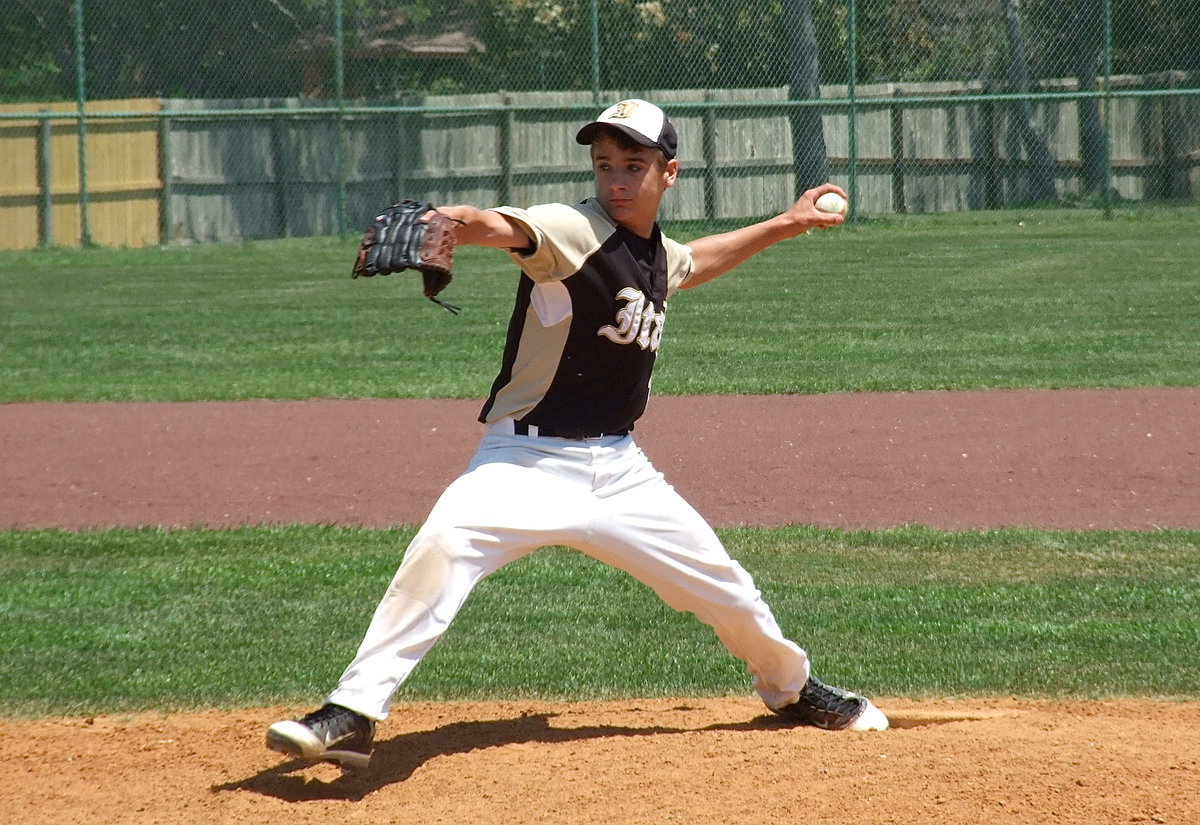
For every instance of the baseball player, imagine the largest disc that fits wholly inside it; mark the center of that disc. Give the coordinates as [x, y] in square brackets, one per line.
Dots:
[557, 463]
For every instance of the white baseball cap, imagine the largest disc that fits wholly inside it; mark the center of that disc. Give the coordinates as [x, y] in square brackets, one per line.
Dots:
[644, 122]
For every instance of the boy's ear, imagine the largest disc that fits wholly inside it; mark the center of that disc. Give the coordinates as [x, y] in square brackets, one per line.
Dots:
[671, 171]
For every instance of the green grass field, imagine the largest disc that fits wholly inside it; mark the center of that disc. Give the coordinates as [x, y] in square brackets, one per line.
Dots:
[990, 300]
[139, 619]
[119, 619]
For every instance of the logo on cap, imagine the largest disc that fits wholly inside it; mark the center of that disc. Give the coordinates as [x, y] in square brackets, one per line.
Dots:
[624, 109]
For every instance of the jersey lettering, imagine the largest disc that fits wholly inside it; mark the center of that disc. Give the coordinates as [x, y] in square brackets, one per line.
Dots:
[635, 322]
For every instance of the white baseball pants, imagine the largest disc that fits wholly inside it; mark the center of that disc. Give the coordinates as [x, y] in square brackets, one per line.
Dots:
[602, 497]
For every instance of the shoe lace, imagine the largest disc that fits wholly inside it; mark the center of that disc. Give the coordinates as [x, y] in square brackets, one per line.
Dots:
[337, 720]
[830, 699]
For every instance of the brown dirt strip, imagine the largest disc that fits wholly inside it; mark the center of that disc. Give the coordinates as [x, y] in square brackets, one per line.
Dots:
[1078, 459]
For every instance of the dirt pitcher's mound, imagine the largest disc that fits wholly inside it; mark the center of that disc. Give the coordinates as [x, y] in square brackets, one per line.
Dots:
[643, 762]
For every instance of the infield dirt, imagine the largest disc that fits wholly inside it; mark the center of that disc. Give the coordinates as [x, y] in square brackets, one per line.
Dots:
[1072, 460]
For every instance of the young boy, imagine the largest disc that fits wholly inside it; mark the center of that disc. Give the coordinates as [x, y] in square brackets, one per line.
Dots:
[557, 464]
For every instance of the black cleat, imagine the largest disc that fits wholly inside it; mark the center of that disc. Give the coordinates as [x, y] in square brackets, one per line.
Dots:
[330, 734]
[831, 708]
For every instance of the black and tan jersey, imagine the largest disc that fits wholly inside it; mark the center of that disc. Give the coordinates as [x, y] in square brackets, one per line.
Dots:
[588, 321]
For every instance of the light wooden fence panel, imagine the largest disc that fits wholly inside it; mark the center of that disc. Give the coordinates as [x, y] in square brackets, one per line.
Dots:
[123, 180]
[20, 186]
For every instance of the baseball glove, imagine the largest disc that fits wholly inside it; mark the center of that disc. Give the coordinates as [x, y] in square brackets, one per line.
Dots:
[398, 239]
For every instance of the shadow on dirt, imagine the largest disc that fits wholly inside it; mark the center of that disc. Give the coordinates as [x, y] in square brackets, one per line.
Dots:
[396, 759]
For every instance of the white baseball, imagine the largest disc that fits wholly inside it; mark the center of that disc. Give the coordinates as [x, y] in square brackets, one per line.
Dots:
[833, 203]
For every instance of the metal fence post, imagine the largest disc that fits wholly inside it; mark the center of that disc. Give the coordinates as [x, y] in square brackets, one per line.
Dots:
[712, 207]
[993, 181]
[852, 135]
[166, 174]
[339, 140]
[507, 124]
[279, 146]
[45, 182]
[898, 171]
[85, 232]
[595, 19]
[1108, 213]
[1174, 149]
[406, 136]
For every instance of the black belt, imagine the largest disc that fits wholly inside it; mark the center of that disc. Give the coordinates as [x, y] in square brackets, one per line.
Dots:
[521, 428]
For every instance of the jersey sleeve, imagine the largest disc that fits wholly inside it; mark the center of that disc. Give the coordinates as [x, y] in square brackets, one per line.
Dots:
[679, 264]
[563, 237]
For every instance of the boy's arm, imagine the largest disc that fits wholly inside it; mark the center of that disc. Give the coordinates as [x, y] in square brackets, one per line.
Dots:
[714, 255]
[484, 227]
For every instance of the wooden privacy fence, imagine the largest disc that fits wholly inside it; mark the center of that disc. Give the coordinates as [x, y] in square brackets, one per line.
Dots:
[39, 176]
[192, 171]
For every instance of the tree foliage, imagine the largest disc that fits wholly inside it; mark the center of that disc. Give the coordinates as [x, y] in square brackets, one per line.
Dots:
[257, 47]
[169, 47]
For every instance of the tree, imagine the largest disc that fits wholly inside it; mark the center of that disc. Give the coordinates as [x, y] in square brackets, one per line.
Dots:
[804, 78]
[1041, 178]
[28, 67]
[1085, 36]
[173, 47]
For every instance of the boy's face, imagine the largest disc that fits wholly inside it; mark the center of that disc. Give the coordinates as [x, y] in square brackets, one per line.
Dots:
[630, 182]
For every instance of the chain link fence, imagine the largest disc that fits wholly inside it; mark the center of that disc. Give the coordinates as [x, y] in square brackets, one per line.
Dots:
[133, 122]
